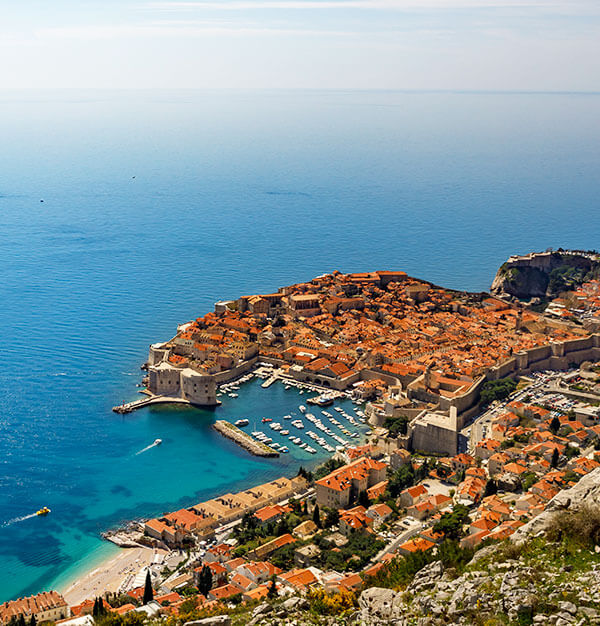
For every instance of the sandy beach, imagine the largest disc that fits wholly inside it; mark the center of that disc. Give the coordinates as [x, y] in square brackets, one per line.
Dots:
[109, 575]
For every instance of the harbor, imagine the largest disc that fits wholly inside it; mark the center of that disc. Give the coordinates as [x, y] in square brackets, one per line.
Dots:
[301, 432]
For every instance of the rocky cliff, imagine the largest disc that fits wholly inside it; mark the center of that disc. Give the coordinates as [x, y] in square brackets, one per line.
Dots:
[544, 274]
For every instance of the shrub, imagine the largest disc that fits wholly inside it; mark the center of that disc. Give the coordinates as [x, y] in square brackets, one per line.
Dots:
[582, 526]
[323, 603]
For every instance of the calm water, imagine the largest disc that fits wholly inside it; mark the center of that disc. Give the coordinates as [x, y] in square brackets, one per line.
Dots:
[158, 204]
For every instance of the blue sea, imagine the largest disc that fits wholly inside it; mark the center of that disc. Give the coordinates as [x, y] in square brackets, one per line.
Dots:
[157, 204]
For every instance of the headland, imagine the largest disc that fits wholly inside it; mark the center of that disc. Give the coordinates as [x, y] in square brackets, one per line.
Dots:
[405, 345]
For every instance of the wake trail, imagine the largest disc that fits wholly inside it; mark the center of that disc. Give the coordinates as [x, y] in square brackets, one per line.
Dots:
[16, 520]
[152, 445]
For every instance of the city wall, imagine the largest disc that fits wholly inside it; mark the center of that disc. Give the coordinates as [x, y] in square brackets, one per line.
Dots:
[555, 356]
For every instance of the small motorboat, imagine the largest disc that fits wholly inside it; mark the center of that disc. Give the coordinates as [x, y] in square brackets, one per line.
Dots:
[157, 442]
[242, 422]
[43, 511]
[266, 419]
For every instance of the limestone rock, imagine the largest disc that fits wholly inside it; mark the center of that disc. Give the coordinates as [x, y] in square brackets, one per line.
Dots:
[215, 620]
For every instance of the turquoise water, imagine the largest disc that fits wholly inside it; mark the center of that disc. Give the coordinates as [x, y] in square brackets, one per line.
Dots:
[158, 204]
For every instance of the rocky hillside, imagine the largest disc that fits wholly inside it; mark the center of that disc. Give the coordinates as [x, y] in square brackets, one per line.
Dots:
[544, 275]
[547, 573]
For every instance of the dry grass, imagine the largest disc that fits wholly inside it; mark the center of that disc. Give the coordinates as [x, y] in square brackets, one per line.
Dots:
[582, 526]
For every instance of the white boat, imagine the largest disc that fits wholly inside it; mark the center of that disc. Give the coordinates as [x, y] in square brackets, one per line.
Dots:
[157, 442]
[285, 433]
[243, 422]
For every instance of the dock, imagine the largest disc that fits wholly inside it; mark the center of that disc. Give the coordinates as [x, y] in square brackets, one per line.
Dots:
[269, 381]
[229, 430]
[128, 407]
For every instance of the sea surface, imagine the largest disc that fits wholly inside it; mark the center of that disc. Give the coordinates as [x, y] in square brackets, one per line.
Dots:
[157, 204]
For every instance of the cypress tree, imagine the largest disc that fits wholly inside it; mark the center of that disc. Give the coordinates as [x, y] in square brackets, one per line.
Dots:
[148, 592]
[205, 580]
[32, 621]
[317, 516]
[554, 461]
[272, 593]
[21, 621]
[363, 499]
[490, 488]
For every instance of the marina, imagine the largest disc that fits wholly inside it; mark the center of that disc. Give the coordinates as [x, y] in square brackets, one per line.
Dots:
[334, 435]
[299, 431]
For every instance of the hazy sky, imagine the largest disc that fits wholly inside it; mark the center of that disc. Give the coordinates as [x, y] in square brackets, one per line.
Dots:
[395, 44]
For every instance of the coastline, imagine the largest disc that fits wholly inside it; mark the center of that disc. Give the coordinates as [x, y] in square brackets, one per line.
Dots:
[96, 568]
[105, 574]
[106, 568]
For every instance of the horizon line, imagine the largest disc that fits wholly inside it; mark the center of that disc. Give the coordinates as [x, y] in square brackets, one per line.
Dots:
[318, 89]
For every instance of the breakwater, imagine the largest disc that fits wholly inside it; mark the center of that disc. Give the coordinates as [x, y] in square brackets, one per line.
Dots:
[244, 440]
[128, 407]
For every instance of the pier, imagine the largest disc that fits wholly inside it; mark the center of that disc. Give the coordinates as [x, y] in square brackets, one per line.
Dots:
[128, 407]
[269, 381]
[244, 440]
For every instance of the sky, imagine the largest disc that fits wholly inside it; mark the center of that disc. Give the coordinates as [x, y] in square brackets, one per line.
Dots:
[530, 45]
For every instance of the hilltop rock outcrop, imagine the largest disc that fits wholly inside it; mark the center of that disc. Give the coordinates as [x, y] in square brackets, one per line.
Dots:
[544, 274]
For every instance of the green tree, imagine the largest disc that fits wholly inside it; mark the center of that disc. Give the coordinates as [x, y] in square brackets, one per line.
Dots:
[363, 499]
[326, 468]
[451, 524]
[148, 592]
[490, 488]
[401, 479]
[282, 527]
[332, 518]
[205, 580]
[32, 621]
[497, 390]
[272, 593]
[554, 425]
[317, 516]
[554, 460]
